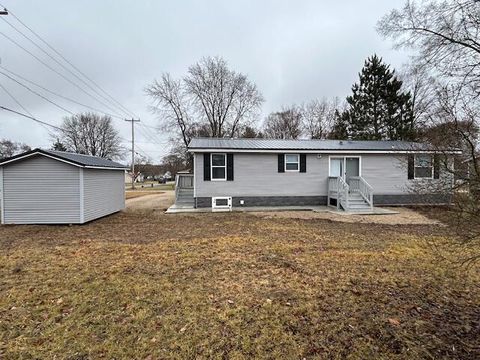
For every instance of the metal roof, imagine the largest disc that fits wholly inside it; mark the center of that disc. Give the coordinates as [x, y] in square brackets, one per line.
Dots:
[305, 145]
[80, 160]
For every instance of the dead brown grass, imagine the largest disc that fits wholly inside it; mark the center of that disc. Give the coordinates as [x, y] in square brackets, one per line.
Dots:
[139, 193]
[139, 285]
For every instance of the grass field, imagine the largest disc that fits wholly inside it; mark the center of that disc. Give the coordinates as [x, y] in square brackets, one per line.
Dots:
[147, 286]
[147, 186]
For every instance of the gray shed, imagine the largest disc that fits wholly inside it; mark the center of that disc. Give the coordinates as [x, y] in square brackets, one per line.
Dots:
[56, 187]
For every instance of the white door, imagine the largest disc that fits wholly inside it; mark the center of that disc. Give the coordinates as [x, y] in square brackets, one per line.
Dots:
[336, 167]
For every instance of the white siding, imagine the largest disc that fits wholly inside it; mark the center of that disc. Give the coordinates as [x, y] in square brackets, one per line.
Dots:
[104, 192]
[256, 174]
[40, 190]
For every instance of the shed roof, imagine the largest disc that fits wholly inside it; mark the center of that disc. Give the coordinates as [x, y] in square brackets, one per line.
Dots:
[265, 145]
[79, 160]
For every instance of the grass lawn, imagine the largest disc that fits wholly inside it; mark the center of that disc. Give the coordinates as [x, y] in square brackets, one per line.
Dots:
[147, 186]
[148, 286]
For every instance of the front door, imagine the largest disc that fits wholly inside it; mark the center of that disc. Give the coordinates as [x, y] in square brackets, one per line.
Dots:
[352, 168]
[345, 167]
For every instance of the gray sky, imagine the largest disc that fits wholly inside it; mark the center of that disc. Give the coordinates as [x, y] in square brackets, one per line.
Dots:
[293, 50]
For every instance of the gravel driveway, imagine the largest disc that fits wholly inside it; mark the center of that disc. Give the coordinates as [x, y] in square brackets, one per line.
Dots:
[157, 201]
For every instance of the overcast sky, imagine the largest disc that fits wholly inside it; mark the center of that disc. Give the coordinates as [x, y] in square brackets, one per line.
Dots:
[293, 50]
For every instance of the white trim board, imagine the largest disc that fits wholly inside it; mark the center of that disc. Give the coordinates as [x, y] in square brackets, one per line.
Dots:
[58, 159]
[2, 199]
[285, 151]
[82, 197]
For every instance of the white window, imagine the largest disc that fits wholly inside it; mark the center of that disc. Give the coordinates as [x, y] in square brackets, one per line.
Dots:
[219, 166]
[423, 167]
[292, 162]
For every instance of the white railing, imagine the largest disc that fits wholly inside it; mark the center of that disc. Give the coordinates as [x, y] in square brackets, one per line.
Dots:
[338, 189]
[359, 185]
[342, 193]
[183, 181]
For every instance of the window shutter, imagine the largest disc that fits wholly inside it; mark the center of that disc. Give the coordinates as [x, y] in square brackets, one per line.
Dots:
[206, 167]
[411, 166]
[281, 163]
[229, 167]
[303, 162]
[436, 166]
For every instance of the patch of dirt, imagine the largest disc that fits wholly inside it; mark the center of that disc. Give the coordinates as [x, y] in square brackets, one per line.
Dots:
[404, 216]
[139, 193]
[157, 201]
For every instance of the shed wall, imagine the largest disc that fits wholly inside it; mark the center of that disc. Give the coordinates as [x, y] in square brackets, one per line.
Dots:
[104, 192]
[40, 190]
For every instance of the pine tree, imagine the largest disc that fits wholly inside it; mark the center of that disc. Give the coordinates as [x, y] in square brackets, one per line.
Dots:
[340, 126]
[59, 146]
[378, 109]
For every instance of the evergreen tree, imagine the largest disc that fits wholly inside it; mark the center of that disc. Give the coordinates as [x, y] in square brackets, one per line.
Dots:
[378, 109]
[340, 126]
[59, 146]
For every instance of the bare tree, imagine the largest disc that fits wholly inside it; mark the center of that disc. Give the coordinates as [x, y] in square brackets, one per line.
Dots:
[90, 134]
[446, 41]
[211, 99]
[285, 124]
[424, 88]
[445, 35]
[10, 148]
[318, 117]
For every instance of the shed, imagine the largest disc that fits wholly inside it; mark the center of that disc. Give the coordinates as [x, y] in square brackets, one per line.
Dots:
[56, 187]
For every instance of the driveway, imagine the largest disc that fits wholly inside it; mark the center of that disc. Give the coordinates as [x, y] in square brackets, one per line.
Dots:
[156, 201]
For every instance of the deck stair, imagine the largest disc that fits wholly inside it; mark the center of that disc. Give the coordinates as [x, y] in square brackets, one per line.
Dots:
[354, 196]
[356, 202]
[184, 191]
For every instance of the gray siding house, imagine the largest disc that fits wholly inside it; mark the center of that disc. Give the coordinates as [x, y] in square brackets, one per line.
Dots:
[55, 187]
[350, 175]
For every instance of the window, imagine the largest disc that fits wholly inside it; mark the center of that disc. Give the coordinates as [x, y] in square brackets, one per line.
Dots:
[292, 162]
[423, 167]
[219, 167]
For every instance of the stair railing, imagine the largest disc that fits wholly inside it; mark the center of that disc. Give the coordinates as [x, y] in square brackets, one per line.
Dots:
[342, 193]
[359, 185]
[183, 181]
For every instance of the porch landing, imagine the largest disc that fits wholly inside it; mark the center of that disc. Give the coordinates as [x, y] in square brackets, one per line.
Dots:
[178, 209]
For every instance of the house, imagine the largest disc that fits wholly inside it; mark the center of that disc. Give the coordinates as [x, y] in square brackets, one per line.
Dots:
[55, 187]
[350, 175]
[128, 178]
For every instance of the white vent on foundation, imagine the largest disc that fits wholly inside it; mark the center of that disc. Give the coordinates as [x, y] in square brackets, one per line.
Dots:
[223, 203]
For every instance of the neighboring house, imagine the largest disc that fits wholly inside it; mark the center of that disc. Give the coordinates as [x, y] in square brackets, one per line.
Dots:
[55, 187]
[128, 178]
[353, 175]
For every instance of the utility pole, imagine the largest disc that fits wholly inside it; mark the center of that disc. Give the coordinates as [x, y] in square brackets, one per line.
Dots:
[4, 12]
[133, 121]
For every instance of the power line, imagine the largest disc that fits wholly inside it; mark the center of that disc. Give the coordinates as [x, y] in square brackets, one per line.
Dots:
[15, 99]
[36, 93]
[59, 95]
[56, 61]
[31, 118]
[72, 65]
[57, 72]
